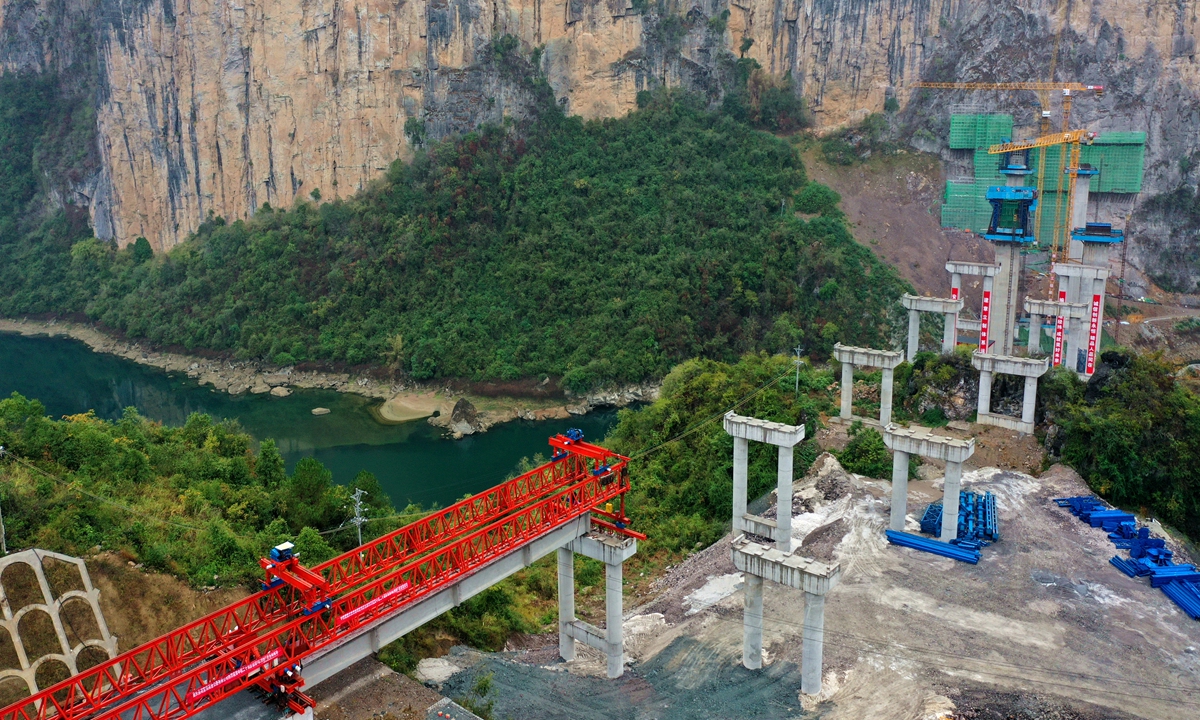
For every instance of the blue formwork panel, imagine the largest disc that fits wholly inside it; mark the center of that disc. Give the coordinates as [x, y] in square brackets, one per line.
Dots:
[936, 547]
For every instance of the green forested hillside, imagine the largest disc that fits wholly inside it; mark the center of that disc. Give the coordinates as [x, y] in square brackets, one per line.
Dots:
[196, 501]
[602, 252]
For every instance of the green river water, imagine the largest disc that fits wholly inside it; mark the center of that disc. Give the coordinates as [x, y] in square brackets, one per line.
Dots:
[412, 460]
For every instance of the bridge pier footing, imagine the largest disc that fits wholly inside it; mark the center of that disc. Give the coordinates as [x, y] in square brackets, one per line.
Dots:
[613, 551]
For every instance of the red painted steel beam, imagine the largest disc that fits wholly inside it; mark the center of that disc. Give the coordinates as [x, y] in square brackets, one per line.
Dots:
[218, 678]
[170, 655]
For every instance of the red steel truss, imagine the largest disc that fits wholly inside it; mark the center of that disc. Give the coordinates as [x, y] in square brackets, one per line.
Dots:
[225, 652]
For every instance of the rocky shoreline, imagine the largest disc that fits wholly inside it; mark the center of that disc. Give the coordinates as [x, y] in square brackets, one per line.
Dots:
[460, 414]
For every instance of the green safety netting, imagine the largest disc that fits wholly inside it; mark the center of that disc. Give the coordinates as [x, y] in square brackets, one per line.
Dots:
[1118, 156]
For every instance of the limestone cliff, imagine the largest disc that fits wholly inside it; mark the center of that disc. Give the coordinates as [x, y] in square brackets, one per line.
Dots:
[220, 107]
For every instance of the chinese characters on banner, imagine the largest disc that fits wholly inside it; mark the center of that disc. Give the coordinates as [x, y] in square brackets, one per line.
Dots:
[1093, 335]
[1059, 324]
[985, 317]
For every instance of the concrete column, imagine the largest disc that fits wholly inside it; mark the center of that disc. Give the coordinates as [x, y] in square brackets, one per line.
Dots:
[1079, 328]
[1068, 342]
[985, 392]
[783, 505]
[885, 398]
[812, 651]
[1003, 327]
[1083, 184]
[899, 490]
[752, 622]
[614, 615]
[914, 333]
[950, 333]
[955, 285]
[741, 448]
[847, 390]
[950, 501]
[1029, 402]
[566, 602]
[1034, 344]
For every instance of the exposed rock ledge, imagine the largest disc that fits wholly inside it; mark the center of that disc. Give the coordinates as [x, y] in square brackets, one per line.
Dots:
[402, 402]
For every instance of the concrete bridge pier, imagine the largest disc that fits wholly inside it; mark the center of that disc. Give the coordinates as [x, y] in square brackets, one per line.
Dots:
[613, 551]
[947, 307]
[785, 437]
[886, 360]
[1029, 368]
[917, 440]
[760, 562]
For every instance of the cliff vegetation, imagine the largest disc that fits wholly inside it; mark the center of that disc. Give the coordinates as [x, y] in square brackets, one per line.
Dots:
[601, 252]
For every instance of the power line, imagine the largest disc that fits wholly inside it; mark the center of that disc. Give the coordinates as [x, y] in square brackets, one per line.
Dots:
[101, 498]
[696, 426]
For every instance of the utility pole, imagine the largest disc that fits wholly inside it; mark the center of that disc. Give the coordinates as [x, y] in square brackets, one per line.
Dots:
[359, 519]
[3, 539]
[797, 361]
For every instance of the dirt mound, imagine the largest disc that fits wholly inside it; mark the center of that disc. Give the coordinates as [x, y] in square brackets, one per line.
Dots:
[821, 543]
[832, 480]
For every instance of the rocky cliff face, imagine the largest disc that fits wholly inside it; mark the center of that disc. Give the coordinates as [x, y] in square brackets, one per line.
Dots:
[220, 107]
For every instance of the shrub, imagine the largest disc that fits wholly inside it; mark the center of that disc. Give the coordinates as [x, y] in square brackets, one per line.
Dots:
[818, 199]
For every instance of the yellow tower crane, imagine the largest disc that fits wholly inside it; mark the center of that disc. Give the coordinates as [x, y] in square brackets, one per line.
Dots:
[1068, 90]
[1074, 138]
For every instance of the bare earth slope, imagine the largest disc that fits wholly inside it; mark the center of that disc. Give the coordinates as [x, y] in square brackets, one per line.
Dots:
[894, 205]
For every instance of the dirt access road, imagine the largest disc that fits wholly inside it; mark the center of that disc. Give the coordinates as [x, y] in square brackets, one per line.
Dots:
[1042, 627]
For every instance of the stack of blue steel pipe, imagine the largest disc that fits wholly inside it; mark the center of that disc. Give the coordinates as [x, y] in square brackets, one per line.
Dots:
[1148, 557]
[978, 523]
[1186, 595]
[929, 545]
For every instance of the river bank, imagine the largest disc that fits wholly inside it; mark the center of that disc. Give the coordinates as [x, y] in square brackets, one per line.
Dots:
[459, 413]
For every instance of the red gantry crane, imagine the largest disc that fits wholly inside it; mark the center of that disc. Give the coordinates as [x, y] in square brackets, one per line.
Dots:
[263, 640]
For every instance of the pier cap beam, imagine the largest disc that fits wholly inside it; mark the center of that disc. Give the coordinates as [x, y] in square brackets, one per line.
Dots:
[1009, 365]
[794, 571]
[1087, 272]
[764, 431]
[1047, 308]
[918, 440]
[607, 548]
[867, 357]
[946, 306]
[972, 268]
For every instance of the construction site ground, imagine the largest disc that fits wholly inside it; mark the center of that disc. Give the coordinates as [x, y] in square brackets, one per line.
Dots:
[1042, 627]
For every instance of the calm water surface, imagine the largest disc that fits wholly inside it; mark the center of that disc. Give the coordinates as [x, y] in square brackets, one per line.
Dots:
[412, 460]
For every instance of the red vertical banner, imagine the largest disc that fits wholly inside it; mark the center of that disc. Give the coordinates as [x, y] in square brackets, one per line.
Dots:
[1059, 327]
[954, 296]
[985, 317]
[1094, 335]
